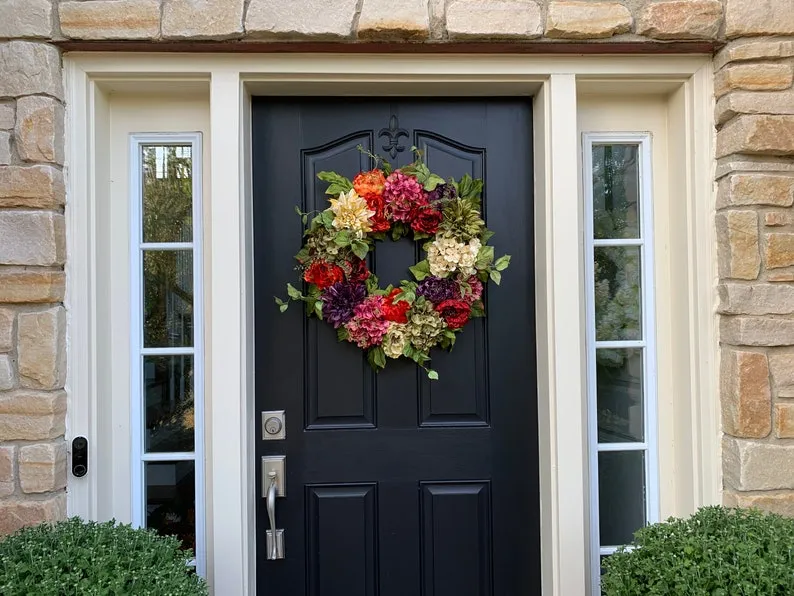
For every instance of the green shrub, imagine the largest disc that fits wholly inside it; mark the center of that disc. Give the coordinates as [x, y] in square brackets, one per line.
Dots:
[716, 552]
[76, 558]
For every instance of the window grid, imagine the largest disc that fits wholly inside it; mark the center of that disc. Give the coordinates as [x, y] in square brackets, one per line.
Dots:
[646, 344]
[188, 146]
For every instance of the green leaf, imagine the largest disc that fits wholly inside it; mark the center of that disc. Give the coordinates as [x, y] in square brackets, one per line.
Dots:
[360, 248]
[387, 167]
[482, 275]
[432, 181]
[486, 235]
[283, 307]
[496, 277]
[298, 210]
[342, 334]
[432, 375]
[421, 236]
[337, 182]
[502, 263]
[397, 231]
[294, 293]
[484, 257]
[477, 309]
[376, 358]
[342, 238]
[421, 270]
[327, 219]
[372, 284]
[318, 308]
[304, 218]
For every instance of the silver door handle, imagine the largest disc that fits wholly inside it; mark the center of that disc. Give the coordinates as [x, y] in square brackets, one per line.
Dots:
[271, 513]
[273, 483]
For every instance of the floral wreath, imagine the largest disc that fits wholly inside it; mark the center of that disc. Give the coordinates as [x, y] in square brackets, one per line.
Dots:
[408, 320]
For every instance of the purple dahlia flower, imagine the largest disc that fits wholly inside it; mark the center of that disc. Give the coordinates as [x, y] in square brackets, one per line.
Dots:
[442, 192]
[437, 289]
[340, 299]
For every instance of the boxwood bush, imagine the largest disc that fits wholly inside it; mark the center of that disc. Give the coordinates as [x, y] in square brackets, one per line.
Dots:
[76, 558]
[716, 552]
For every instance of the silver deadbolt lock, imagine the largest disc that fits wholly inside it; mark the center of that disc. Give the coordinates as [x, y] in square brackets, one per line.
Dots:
[273, 425]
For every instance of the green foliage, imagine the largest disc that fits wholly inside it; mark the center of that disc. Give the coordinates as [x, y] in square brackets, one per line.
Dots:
[76, 558]
[336, 183]
[716, 552]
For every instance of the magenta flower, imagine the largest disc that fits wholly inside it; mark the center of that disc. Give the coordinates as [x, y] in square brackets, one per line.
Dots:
[402, 194]
[367, 327]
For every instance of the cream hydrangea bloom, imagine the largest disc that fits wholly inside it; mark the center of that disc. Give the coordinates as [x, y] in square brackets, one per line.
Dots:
[395, 339]
[447, 255]
[352, 213]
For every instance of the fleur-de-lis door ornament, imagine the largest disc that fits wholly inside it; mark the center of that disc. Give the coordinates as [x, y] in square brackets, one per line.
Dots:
[394, 133]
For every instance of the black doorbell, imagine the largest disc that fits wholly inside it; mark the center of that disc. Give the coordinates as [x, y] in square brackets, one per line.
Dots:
[80, 456]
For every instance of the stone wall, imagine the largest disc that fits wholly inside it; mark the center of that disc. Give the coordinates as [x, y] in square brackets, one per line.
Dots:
[755, 171]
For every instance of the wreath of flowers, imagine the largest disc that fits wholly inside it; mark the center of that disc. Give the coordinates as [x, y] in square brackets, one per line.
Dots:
[408, 320]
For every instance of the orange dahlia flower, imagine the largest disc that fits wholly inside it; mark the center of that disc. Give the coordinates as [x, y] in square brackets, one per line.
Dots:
[369, 184]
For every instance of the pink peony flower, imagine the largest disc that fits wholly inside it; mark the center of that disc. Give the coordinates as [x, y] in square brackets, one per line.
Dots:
[476, 290]
[368, 326]
[402, 194]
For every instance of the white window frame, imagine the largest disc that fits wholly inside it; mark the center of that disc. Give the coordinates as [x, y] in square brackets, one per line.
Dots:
[138, 351]
[648, 334]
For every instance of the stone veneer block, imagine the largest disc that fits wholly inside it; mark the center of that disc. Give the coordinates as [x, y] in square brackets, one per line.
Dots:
[781, 503]
[27, 68]
[39, 129]
[300, 19]
[7, 317]
[749, 102]
[779, 250]
[42, 468]
[750, 465]
[784, 421]
[7, 116]
[32, 238]
[778, 218]
[39, 187]
[32, 415]
[32, 286]
[202, 19]
[746, 395]
[7, 470]
[781, 365]
[742, 50]
[755, 299]
[744, 18]
[574, 19]
[681, 19]
[5, 148]
[8, 378]
[756, 189]
[110, 19]
[390, 20]
[26, 18]
[494, 19]
[737, 237]
[756, 331]
[759, 135]
[16, 514]
[753, 77]
[41, 343]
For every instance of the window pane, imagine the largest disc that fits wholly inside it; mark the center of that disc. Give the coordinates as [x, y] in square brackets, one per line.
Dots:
[171, 499]
[621, 494]
[168, 298]
[616, 196]
[619, 395]
[167, 193]
[168, 394]
[617, 293]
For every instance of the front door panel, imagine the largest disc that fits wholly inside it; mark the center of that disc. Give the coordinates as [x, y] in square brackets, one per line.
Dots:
[398, 485]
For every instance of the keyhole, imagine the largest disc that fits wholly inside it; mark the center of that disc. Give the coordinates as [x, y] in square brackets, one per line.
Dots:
[273, 425]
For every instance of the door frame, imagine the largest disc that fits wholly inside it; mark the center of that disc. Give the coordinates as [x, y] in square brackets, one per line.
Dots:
[554, 82]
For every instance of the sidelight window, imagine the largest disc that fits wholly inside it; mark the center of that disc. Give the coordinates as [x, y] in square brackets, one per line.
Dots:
[166, 338]
[620, 339]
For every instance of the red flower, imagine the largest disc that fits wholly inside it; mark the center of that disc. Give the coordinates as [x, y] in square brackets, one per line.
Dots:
[454, 312]
[369, 184]
[358, 270]
[395, 311]
[324, 274]
[379, 221]
[426, 220]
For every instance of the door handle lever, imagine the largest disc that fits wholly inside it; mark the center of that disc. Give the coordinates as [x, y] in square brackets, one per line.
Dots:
[271, 466]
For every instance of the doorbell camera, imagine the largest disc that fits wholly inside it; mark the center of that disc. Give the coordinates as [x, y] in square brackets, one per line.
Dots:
[79, 457]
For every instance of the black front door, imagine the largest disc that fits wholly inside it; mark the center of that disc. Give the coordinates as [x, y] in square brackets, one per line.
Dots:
[398, 485]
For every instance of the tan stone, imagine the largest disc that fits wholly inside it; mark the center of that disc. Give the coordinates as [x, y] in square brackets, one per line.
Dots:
[437, 8]
[784, 421]
[5, 148]
[26, 18]
[781, 365]
[681, 19]
[42, 467]
[110, 19]
[28, 67]
[785, 276]
[737, 235]
[7, 116]
[756, 189]
[386, 19]
[39, 129]
[753, 77]
[743, 50]
[31, 186]
[32, 238]
[8, 378]
[749, 102]
[16, 514]
[32, 286]
[32, 415]
[779, 250]
[746, 396]
[202, 19]
[7, 470]
[756, 331]
[41, 344]
[574, 19]
[494, 19]
[300, 19]
[781, 503]
[760, 135]
[7, 317]
[749, 465]
[775, 219]
[755, 299]
[759, 17]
